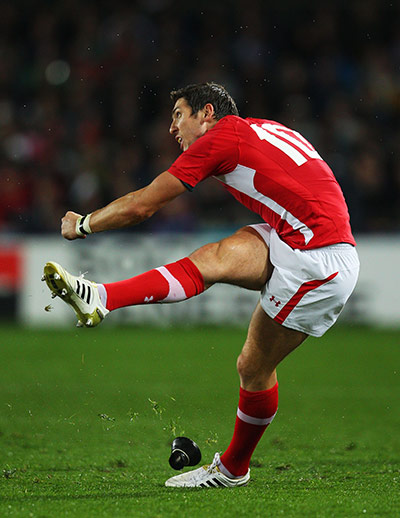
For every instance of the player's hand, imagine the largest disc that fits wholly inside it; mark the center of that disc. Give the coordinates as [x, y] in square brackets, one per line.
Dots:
[68, 226]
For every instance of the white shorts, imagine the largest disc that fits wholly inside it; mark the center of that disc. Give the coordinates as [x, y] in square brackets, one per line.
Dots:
[308, 288]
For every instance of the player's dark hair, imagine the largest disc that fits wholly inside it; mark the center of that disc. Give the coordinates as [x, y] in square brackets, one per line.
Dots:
[198, 95]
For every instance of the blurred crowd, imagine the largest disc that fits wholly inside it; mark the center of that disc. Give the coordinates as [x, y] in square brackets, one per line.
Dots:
[85, 108]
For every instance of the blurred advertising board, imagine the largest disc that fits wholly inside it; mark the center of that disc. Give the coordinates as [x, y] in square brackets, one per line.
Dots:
[11, 269]
[376, 300]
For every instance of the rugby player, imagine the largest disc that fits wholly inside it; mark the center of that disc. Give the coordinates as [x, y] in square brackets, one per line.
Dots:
[302, 259]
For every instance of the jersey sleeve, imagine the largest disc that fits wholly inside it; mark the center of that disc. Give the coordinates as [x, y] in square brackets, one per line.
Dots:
[214, 153]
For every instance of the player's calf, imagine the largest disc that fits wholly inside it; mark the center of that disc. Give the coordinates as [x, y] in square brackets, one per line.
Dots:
[227, 261]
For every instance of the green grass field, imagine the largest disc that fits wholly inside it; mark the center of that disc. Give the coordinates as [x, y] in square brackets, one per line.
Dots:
[87, 417]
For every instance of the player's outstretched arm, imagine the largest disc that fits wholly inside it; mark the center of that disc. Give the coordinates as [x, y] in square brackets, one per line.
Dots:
[131, 209]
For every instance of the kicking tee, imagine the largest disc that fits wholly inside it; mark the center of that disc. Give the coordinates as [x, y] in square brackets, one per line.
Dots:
[275, 172]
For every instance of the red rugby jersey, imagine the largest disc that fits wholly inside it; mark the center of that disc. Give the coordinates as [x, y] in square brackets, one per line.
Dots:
[275, 172]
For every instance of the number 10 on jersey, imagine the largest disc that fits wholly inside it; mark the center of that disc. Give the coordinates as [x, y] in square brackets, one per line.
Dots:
[288, 141]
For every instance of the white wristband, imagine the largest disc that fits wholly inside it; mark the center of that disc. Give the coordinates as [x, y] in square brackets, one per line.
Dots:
[82, 227]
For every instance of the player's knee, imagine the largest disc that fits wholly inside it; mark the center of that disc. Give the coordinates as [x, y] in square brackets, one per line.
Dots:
[247, 369]
[234, 246]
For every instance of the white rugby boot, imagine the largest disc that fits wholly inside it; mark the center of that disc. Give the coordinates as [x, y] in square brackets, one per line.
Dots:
[81, 294]
[207, 476]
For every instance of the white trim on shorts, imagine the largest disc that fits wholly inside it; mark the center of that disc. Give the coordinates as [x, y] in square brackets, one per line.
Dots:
[308, 288]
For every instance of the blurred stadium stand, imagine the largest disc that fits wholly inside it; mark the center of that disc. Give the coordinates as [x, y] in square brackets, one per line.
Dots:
[85, 109]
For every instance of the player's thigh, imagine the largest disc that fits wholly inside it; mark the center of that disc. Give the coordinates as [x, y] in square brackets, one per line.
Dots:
[241, 259]
[267, 343]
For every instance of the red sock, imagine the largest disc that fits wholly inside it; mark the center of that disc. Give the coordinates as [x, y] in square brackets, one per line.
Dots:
[256, 411]
[171, 283]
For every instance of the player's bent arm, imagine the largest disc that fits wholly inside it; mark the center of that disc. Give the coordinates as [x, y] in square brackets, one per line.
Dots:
[137, 206]
[131, 209]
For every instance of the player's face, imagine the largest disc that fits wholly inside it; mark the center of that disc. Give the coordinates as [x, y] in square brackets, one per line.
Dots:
[186, 126]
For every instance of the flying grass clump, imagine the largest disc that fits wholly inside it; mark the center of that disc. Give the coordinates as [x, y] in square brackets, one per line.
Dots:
[157, 408]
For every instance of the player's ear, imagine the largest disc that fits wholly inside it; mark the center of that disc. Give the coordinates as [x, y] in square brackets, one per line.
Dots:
[208, 112]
